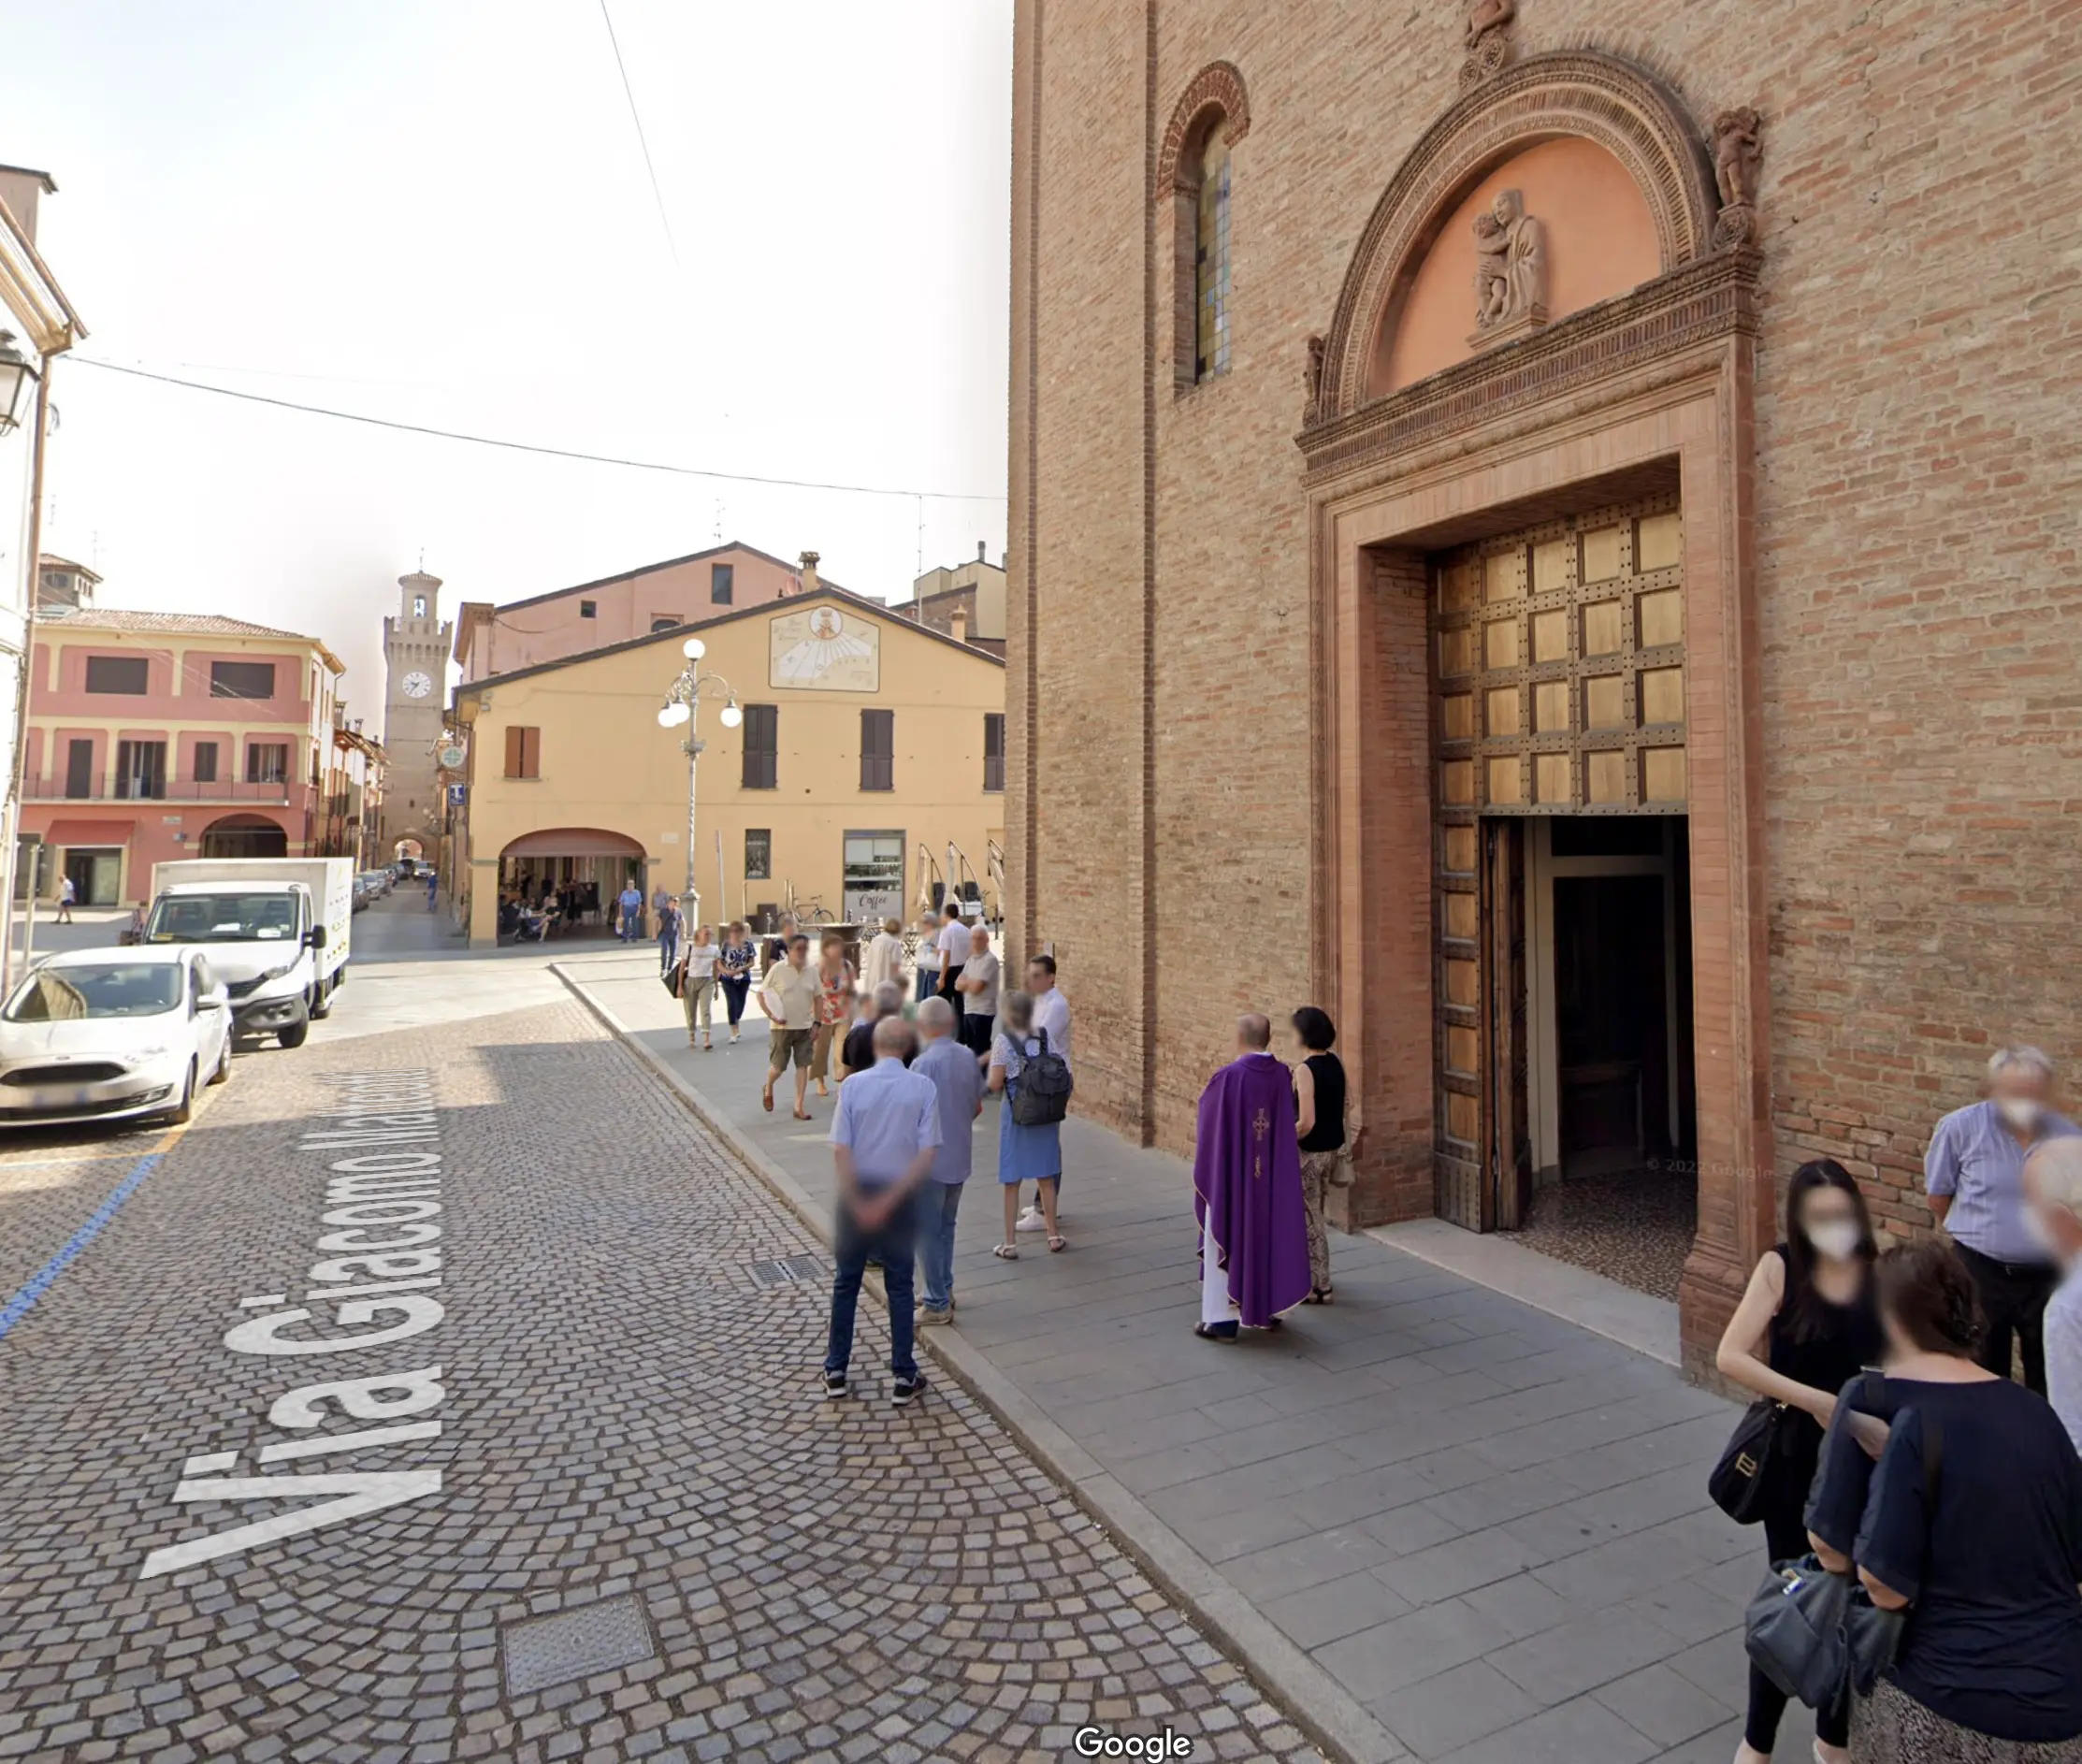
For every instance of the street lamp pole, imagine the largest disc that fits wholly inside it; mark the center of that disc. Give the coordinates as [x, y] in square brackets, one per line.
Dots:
[683, 703]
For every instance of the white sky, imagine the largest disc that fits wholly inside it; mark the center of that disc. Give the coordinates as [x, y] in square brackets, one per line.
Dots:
[438, 211]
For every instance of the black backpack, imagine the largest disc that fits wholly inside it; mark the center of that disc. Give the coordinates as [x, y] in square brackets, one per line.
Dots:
[1044, 1093]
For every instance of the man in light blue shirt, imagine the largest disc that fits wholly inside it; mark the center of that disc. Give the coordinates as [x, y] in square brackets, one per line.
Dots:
[958, 1080]
[2053, 1187]
[1974, 1175]
[883, 1139]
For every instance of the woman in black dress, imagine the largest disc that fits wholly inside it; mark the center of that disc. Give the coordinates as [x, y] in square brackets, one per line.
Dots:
[1804, 1329]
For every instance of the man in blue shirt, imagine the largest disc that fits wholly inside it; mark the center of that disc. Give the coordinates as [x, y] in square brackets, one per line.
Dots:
[1974, 1175]
[958, 1080]
[883, 1138]
[631, 904]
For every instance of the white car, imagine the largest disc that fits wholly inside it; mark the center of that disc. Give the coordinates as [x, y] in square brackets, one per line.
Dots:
[111, 1034]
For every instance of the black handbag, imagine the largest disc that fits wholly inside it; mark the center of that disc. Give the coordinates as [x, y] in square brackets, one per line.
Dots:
[674, 979]
[1794, 1630]
[1738, 1482]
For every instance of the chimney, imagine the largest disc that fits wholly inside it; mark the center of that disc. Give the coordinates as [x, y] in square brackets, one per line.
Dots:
[958, 624]
[983, 551]
[809, 561]
[20, 189]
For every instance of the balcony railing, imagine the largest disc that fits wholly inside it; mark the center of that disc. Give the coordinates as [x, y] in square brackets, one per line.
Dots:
[154, 790]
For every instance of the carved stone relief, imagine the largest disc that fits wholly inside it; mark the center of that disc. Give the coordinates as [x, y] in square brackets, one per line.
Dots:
[1489, 44]
[1511, 271]
[1311, 381]
[1738, 152]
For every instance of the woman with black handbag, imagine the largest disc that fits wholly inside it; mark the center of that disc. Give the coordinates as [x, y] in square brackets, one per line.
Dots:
[1804, 1329]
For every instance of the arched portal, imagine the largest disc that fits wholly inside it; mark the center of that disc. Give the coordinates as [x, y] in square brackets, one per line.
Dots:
[244, 836]
[410, 849]
[574, 872]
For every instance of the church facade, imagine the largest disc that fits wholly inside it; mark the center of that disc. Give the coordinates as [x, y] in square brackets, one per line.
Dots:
[1545, 528]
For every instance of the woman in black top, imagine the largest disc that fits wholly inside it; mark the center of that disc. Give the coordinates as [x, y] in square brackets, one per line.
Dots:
[1320, 1119]
[1972, 1520]
[1804, 1329]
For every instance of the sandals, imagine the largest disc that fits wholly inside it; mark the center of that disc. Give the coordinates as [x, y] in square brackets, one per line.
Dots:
[766, 1096]
[1318, 1295]
[804, 1115]
[1055, 1245]
[1006, 1252]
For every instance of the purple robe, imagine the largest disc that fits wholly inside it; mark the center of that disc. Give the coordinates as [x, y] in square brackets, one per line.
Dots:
[1247, 1187]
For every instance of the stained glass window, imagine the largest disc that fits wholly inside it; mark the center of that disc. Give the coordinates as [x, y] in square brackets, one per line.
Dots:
[1211, 259]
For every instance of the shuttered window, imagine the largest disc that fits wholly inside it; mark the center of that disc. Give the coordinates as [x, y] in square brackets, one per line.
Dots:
[877, 750]
[994, 750]
[763, 747]
[524, 753]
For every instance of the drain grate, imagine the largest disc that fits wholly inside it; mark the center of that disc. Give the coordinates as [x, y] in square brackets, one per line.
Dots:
[788, 1271]
[545, 1651]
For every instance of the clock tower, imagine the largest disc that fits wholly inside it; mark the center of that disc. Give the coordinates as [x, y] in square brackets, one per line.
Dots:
[415, 668]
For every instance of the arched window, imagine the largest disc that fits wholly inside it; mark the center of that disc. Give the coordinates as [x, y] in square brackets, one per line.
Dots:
[1193, 175]
[1212, 260]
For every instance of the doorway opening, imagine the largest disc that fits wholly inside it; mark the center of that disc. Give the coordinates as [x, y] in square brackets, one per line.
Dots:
[1609, 1105]
[244, 836]
[96, 874]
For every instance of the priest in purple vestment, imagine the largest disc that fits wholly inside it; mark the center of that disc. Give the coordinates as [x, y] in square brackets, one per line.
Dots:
[1247, 1191]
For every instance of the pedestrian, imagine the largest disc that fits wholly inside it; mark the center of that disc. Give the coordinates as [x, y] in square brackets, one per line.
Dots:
[697, 984]
[1051, 1019]
[884, 1135]
[978, 986]
[836, 990]
[1973, 1514]
[957, 1081]
[788, 995]
[668, 923]
[1247, 1191]
[1805, 1329]
[882, 959]
[67, 893]
[954, 951]
[733, 970]
[1974, 1174]
[1025, 1154]
[658, 898]
[928, 958]
[857, 1053]
[433, 886]
[2053, 1188]
[631, 904]
[1320, 1119]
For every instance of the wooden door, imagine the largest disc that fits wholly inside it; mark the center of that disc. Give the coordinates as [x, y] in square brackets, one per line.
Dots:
[1506, 1137]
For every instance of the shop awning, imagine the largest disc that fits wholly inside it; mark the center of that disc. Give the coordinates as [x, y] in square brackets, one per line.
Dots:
[573, 842]
[90, 832]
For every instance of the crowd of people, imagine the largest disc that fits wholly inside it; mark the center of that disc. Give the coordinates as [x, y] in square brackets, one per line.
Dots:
[1947, 1490]
[1941, 1486]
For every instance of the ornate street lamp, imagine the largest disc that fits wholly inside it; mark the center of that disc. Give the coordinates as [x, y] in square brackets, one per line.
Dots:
[683, 700]
[16, 377]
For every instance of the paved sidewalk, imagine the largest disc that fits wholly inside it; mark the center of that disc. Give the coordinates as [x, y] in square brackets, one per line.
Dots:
[1428, 1516]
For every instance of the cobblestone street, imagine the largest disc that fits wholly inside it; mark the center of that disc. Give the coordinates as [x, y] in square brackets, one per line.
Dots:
[628, 1426]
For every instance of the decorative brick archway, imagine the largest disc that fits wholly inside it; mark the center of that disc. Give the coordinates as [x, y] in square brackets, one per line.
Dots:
[1643, 393]
[1215, 94]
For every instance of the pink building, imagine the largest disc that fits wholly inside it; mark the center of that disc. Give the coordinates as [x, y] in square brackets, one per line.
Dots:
[638, 604]
[158, 735]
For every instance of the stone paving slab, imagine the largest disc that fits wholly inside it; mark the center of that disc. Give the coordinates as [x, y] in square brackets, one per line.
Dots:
[1444, 1518]
[627, 1418]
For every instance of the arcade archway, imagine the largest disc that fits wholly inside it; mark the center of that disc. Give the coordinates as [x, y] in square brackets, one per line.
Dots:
[244, 836]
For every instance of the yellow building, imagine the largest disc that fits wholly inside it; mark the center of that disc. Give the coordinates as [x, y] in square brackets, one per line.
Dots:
[867, 745]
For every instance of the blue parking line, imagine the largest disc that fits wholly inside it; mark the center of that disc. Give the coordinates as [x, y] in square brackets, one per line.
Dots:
[45, 1278]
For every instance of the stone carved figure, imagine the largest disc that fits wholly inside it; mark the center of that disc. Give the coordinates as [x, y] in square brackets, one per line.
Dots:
[1489, 15]
[1489, 23]
[1510, 273]
[1738, 152]
[1311, 381]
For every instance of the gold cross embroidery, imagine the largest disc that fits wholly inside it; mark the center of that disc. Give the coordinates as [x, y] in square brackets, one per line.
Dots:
[1259, 1127]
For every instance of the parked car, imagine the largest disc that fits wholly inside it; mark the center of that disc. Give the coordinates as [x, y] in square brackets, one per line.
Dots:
[113, 1034]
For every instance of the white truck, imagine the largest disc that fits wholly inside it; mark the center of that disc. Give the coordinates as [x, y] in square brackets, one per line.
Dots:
[276, 929]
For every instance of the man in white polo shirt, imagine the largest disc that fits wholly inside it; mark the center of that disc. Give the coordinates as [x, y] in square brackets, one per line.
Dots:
[954, 951]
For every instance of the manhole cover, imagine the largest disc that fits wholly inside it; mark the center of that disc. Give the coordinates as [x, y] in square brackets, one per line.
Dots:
[545, 1651]
[788, 1271]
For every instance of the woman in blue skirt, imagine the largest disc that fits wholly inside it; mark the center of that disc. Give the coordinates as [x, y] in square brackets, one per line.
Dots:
[1025, 1154]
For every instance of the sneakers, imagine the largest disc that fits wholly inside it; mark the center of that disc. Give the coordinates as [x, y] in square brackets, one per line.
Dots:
[834, 1384]
[930, 1319]
[907, 1391]
[1031, 1220]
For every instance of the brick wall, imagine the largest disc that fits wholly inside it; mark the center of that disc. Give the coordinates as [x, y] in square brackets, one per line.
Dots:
[1916, 473]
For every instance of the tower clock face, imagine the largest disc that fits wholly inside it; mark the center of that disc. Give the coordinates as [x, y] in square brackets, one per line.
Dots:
[418, 685]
